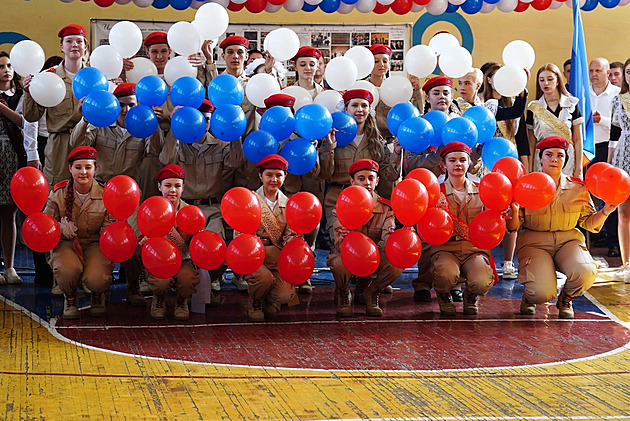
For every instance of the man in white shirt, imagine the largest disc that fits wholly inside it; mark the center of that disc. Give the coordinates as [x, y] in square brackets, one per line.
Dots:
[602, 93]
[616, 73]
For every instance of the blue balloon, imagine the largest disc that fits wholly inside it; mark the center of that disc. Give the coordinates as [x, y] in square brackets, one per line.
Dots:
[415, 134]
[160, 4]
[101, 108]
[346, 127]
[301, 155]
[180, 4]
[228, 122]
[398, 114]
[151, 91]
[225, 89]
[451, 8]
[350, 1]
[188, 125]
[259, 144]
[437, 119]
[188, 92]
[484, 120]
[87, 80]
[495, 149]
[279, 122]
[140, 121]
[330, 6]
[313, 121]
[589, 5]
[459, 129]
[491, 1]
[472, 6]
[308, 7]
[609, 4]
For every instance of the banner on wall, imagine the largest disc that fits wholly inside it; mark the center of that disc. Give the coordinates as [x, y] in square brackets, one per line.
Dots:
[332, 40]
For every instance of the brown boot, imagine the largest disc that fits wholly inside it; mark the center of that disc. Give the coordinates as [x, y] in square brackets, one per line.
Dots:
[133, 294]
[564, 305]
[527, 308]
[359, 290]
[70, 309]
[371, 296]
[181, 311]
[254, 311]
[447, 308]
[158, 307]
[343, 299]
[97, 305]
[470, 303]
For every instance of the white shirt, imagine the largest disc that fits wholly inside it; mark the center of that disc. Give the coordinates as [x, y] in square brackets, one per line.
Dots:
[602, 104]
[29, 130]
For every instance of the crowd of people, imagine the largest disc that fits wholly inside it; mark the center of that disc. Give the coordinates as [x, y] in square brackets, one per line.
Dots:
[77, 158]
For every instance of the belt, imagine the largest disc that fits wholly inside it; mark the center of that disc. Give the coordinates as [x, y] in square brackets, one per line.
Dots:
[343, 186]
[202, 202]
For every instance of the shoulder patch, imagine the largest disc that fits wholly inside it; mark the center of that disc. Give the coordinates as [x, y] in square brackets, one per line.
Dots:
[385, 201]
[60, 185]
[577, 180]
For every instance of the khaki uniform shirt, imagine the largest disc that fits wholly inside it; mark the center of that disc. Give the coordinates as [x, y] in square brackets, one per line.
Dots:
[279, 212]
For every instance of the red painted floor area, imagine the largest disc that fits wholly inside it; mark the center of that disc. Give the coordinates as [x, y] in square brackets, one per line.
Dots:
[410, 337]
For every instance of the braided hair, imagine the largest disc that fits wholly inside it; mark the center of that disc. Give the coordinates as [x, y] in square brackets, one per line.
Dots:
[69, 198]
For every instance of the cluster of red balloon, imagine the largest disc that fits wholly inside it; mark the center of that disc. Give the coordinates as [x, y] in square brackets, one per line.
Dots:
[611, 184]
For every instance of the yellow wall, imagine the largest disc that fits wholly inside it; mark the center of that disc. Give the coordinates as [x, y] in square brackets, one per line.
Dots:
[549, 32]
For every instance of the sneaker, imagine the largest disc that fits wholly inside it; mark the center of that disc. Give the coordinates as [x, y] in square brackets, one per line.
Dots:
[11, 276]
[623, 274]
[238, 281]
[509, 271]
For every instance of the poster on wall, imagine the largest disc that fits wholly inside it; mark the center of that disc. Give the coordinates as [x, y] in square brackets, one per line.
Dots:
[332, 40]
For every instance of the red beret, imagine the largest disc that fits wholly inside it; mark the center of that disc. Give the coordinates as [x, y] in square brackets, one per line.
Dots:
[234, 40]
[171, 171]
[273, 162]
[72, 30]
[358, 93]
[437, 81]
[454, 147]
[82, 152]
[206, 106]
[553, 142]
[125, 89]
[307, 51]
[380, 49]
[363, 164]
[155, 38]
[282, 100]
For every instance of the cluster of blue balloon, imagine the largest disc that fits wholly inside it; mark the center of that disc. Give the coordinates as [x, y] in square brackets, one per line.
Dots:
[175, 4]
[140, 121]
[100, 107]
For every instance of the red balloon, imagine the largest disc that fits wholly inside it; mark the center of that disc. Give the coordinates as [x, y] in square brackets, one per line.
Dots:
[190, 219]
[614, 186]
[436, 226]
[422, 2]
[277, 2]
[354, 207]
[296, 262]
[241, 210]
[235, 7]
[430, 182]
[118, 242]
[104, 3]
[495, 191]
[487, 230]
[521, 7]
[379, 9]
[541, 4]
[510, 167]
[401, 7]
[409, 201]
[403, 248]
[29, 190]
[593, 174]
[255, 6]
[41, 232]
[121, 196]
[359, 254]
[207, 250]
[156, 216]
[245, 254]
[161, 258]
[534, 190]
[303, 212]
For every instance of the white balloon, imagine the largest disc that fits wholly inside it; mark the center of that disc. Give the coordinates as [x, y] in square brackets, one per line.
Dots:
[111, 86]
[437, 7]
[363, 59]
[47, 89]
[519, 53]
[509, 80]
[238, 1]
[178, 67]
[123, 1]
[621, 3]
[143, 3]
[456, 2]
[141, 67]
[487, 7]
[455, 62]
[27, 58]
[556, 4]
[341, 72]
[507, 5]
[126, 37]
[415, 7]
[301, 95]
[527, 1]
[345, 8]
[294, 6]
[420, 61]
[211, 20]
[224, 3]
[385, 2]
[107, 59]
[365, 6]
[364, 84]
[272, 8]
[396, 89]
[260, 87]
[330, 99]
[282, 43]
[196, 4]
[184, 39]
[442, 41]
[313, 2]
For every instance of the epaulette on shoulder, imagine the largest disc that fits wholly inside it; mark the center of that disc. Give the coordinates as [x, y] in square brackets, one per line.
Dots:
[60, 185]
[385, 201]
[577, 180]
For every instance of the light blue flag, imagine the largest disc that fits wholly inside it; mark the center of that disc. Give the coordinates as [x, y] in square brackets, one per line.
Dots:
[579, 82]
